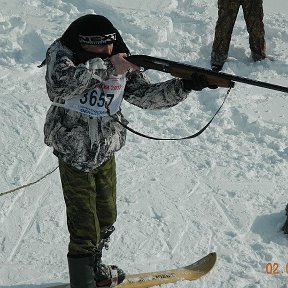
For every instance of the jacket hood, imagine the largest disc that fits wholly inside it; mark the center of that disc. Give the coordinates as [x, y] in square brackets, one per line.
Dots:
[92, 25]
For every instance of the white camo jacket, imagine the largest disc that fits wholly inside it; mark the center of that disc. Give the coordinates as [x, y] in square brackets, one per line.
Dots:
[82, 141]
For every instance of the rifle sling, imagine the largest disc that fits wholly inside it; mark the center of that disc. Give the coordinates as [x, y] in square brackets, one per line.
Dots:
[172, 139]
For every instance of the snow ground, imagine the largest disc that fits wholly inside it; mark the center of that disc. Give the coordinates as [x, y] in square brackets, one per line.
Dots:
[224, 191]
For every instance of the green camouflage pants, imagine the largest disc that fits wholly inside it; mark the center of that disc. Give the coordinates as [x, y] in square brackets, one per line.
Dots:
[90, 204]
[227, 14]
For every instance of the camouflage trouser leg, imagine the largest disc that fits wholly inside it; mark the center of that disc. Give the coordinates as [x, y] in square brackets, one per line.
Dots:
[253, 14]
[227, 14]
[90, 204]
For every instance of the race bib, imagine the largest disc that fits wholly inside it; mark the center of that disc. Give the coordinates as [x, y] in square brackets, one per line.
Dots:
[96, 102]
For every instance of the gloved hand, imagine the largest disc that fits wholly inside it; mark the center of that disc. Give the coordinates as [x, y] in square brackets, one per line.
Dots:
[197, 82]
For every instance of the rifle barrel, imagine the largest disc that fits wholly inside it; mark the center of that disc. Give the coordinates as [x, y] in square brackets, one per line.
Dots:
[159, 64]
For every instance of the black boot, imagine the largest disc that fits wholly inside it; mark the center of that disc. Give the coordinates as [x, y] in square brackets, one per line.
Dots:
[106, 275]
[81, 271]
[285, 226]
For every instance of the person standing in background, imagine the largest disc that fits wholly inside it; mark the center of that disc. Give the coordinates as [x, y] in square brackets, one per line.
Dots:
[227, 14]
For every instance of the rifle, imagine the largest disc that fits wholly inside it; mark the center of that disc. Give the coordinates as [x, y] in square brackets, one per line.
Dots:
[185, 71]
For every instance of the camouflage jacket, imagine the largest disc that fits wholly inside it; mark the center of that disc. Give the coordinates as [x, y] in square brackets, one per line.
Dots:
[85, 142]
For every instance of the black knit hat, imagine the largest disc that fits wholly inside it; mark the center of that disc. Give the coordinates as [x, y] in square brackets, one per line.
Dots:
[93, 30]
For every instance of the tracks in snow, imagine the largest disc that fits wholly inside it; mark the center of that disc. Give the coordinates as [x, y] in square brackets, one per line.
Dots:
[22, 212]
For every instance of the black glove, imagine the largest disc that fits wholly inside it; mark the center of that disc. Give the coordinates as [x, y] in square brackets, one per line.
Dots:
[197, 82]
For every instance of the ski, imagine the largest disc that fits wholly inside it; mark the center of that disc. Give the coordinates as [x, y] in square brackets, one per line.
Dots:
[149, 279]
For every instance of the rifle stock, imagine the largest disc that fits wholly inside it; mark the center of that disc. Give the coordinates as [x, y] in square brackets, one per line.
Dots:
[185, 71]
[212, 79]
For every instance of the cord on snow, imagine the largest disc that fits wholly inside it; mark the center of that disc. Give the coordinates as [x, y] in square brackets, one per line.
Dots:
[29, 184]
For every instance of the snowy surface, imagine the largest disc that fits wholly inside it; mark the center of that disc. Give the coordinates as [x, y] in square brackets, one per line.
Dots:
[224, 191]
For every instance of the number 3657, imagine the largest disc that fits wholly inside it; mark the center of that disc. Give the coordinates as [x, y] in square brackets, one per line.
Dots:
[94, 98]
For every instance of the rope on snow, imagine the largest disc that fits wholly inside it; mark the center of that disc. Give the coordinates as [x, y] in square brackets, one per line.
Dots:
[29, 184]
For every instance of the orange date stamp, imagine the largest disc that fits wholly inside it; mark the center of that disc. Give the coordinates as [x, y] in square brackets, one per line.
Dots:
[274, 268]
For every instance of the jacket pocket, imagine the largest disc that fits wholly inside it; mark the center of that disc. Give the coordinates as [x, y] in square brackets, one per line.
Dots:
[74, 142]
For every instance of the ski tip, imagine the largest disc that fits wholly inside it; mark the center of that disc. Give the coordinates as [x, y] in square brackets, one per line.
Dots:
[213, 256]
[206, 263]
